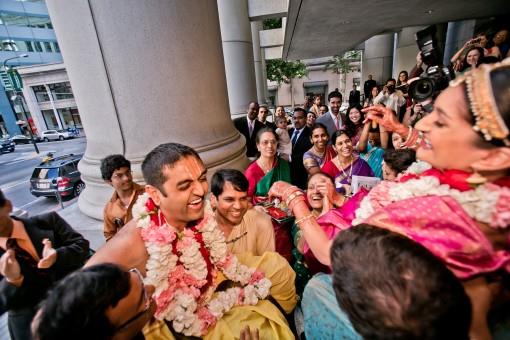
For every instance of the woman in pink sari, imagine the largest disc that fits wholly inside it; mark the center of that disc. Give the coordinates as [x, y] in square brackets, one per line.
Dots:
[460, 211]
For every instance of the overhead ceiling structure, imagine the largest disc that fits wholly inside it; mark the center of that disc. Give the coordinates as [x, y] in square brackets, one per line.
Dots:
[321, 28]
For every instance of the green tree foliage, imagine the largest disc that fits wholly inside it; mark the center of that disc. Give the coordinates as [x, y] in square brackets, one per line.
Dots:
[270, 24]
[282, 71]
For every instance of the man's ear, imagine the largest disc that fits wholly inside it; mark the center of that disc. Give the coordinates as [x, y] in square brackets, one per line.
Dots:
[497, 159]
[214, 201]
[153, 193]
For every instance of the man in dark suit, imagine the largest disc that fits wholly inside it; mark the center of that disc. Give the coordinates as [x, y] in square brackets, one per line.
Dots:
[367, 87]
[354, 96]
[35, 253]
[301, 143]
[262, 117]
[249, 126]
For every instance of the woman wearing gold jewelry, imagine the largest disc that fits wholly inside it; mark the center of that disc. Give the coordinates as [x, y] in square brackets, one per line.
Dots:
[345, 164]
[459, 211]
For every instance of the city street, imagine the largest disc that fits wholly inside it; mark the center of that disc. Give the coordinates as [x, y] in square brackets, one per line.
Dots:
[17, 167]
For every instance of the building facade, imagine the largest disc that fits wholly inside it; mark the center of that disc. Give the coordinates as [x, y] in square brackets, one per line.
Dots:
[49, 97]
[26, 38]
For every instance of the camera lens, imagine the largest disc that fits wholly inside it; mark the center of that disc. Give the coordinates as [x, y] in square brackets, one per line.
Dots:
[422, 89]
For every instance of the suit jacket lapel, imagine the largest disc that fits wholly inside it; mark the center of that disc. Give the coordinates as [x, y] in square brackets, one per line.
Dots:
[37, 235]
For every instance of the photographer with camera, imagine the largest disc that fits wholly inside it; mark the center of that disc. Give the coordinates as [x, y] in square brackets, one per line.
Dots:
[391, 97]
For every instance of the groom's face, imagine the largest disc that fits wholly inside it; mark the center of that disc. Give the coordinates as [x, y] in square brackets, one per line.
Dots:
[185, 188]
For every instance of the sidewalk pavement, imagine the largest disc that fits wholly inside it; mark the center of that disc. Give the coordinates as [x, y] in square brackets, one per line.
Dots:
[89, 227]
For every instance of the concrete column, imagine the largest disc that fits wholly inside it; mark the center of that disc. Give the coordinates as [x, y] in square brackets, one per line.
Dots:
[52, 103]
[238, 54]
[152, 72]
[260, 64]
[378, 58]
[406, 50]
[457, 33]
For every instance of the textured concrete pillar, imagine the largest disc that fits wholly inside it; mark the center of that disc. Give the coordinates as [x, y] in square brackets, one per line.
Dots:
[238, 54]
[378, 58]
[406, 51]
[260, 64]
[145, 73]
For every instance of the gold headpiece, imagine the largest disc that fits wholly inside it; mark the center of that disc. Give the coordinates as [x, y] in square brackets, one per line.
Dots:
[488, 119]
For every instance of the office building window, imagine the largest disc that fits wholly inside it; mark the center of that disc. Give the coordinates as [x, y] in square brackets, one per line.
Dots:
[47, 46]
[56, 47]
[29, 46]
[50, 119]
[38, 46]
[61, 91]
[40, 93]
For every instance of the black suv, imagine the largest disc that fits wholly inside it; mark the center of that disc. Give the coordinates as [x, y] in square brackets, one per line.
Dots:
[6, 145]
[57, 174]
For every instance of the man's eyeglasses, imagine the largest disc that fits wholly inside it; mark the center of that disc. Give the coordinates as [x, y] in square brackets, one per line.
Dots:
[146, 300]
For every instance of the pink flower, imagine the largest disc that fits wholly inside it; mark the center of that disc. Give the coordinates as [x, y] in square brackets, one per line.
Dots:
[206, 318]
[256, 277]
[501, 214]
[158, 235]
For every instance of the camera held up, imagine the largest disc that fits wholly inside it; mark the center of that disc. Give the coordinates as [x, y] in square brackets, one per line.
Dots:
[437, 76]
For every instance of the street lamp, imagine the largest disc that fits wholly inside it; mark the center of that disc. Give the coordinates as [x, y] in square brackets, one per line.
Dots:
[24, 55]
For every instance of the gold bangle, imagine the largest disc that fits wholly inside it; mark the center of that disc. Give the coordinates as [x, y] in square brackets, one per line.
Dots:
[298, 222]
[293, 196]
[285, 192]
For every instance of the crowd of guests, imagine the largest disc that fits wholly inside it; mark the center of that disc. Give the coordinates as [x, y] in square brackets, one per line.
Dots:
[383, 222]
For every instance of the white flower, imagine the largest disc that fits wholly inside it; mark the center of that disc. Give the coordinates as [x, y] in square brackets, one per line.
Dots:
[418, 167]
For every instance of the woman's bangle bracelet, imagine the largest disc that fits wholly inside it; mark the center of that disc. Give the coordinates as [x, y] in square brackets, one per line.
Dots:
[285, 192]
[295, 201]
[293, 195]
[302, 219]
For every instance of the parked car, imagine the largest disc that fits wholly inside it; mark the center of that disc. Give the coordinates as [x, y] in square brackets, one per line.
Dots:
[54, 135]
[57, 175]
[21, 139]
[7, 145]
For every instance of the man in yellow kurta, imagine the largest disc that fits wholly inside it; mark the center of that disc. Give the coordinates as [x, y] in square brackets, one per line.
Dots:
[245, 228]
[177, 185]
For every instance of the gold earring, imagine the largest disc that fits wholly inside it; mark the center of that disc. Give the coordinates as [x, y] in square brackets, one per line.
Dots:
[476, 179]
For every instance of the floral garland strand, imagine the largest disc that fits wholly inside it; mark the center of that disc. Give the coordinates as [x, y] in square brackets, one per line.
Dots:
[182, 267]
[487, 203]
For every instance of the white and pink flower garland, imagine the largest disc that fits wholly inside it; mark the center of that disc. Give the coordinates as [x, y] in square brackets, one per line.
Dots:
[487, 203]
[183, 266]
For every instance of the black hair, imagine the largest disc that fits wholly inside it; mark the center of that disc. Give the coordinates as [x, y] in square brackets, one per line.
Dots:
[351, 127]
[399, 160]
[111, 163]
[235, 177]
[161, 157]
[318, 126]
[391, 287]
[335, 94]
[323, 174]
[299, 109]
[75, 308]
[391, 79]
[264, 130]
[337, 134]
[327, 108]
[3, 199]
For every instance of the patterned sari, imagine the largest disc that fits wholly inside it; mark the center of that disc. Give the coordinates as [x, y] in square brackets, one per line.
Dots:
[312, 159]
[344, 176]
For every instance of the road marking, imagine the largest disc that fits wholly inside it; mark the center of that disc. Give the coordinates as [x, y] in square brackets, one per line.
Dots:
[11, 185]
[39, 199]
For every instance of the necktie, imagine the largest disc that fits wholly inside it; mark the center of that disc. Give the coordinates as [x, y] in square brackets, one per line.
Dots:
[250, 127]
[336, 123]
[294, 137]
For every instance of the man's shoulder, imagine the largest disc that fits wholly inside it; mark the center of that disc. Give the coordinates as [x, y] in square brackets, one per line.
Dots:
[325, 117]
[258, 218]
[239, 119]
